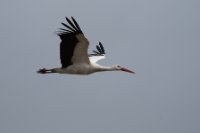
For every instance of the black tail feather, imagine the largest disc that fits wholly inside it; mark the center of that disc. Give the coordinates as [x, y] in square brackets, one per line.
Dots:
[45, 71]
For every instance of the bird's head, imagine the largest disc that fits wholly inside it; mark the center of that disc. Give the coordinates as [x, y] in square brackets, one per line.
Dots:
[119, 68]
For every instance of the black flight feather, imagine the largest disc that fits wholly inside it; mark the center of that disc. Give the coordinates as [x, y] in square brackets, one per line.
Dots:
[78, 27]
[68, 27]
[99, 50]
[64, 30]
[72, 25]
[95, 52]
[102, 48]
[68, 41]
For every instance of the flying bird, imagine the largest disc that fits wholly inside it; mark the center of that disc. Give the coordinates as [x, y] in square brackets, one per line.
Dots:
[74, 56]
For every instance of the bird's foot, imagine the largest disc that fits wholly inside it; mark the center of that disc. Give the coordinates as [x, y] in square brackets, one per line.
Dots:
[42, 71]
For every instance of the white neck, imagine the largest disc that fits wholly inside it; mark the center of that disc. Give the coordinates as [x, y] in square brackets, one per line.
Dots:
[99, 68]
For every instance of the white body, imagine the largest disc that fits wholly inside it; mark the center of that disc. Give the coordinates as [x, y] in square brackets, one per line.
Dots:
[74, 53]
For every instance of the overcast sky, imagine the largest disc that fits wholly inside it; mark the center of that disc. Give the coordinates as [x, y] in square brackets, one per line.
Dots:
[158, 39]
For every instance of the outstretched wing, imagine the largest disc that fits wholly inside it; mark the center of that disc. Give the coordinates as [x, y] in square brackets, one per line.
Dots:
[98, 54]
[74, 45]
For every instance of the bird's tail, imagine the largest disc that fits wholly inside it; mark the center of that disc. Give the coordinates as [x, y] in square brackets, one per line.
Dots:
[45, 71]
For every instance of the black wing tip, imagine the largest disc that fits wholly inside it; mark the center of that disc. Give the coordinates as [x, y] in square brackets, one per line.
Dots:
[71, 27]
[100, 51]
[101, 48]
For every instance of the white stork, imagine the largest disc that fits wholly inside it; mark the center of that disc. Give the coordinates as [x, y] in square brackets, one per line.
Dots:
[74, 56]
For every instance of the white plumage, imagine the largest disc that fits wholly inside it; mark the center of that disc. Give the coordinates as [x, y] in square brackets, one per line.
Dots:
[74, 53]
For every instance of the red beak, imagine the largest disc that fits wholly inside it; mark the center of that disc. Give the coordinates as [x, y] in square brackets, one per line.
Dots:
[126, 70]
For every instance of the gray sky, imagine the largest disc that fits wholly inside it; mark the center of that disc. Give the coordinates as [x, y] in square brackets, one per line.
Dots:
[158, 39]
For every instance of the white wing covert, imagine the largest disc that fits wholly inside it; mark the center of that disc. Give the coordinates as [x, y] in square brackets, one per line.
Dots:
[98, 54]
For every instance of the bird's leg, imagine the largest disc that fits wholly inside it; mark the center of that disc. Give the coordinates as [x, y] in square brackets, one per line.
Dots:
[44, 71]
